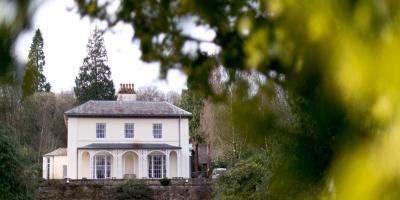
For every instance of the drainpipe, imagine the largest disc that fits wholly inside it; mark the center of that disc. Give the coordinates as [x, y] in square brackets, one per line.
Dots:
[179, 130]
[77, 165]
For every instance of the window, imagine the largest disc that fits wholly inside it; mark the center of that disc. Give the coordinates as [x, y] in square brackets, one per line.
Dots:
[48, 167]
[100, 130]
[102, 166]
[129, 130]
[157, 167]
[157, 130]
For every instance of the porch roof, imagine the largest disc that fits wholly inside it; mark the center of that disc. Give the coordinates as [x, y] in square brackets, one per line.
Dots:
[58, 152]
[129, 146]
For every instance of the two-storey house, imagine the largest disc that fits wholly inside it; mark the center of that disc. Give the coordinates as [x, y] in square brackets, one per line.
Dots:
[124, 138]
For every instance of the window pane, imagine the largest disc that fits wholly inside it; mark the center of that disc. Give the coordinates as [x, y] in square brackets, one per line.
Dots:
[129, 130]
[157, 166]
[157, 130]
[100, 130]
[102, 166]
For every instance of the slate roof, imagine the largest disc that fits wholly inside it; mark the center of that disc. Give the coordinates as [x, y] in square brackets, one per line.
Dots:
[128, 146]
[128, 109]
[58, 152]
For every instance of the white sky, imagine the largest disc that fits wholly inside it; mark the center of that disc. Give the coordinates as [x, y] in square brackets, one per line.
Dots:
[65, 36]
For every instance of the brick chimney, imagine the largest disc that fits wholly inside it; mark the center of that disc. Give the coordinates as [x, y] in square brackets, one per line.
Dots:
[126, 92]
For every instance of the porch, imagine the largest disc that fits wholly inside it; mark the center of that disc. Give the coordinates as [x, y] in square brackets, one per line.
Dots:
[119, 163]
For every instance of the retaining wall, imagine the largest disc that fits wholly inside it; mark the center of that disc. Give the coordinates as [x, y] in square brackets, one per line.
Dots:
[193, 189]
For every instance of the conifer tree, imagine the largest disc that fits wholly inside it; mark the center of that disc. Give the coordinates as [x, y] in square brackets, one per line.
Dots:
[34, 79]
[94, 79]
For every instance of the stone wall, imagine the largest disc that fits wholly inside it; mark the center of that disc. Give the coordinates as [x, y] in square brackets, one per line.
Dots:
[194, 189]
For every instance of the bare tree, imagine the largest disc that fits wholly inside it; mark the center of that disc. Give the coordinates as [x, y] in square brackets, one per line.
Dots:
[173, 97]
[150, 93]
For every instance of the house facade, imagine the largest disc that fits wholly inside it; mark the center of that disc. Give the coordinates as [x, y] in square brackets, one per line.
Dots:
[126, 139]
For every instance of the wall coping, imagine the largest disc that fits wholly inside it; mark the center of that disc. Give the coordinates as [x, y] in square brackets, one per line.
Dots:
[111, 182]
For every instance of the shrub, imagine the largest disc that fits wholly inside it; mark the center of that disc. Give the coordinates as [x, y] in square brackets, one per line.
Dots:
[134, 190]
[13, 173]
[165, 181]
[248, 179]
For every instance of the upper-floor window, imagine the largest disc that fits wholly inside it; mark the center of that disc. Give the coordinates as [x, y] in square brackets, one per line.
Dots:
[129, 130]
[157, 130]
[100, 130]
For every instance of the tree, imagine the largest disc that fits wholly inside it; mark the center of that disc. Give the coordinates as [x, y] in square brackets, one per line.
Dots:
[150, 93]
[193, 103]
[12, 185]
[34, 79]
[94, 80]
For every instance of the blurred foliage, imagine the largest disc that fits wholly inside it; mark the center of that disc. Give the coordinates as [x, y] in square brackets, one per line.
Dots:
[12, 169]
[339, 64]
[14, 18]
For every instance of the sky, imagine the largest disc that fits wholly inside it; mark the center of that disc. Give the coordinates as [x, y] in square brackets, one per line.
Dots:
[65, 36]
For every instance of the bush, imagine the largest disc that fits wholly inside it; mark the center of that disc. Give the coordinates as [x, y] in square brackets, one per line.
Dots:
[133, 190]
[165, 181]
[248, 179]
[13, 177]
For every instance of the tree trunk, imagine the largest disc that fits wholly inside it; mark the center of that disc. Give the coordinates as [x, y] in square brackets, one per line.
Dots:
[196, 158]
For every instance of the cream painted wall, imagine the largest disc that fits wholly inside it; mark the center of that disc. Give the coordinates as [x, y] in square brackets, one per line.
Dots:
[56, 166]
[173, 164]
[59, 162]
[115, 131]
[86, 165]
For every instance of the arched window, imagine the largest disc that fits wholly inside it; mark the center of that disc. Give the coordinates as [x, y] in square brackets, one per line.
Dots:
[102, 166]
[157, 166]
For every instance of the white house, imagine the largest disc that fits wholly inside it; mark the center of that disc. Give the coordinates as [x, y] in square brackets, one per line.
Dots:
[123, 138]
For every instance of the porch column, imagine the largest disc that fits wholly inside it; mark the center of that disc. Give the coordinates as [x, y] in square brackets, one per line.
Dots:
[179, 162]
[140, 161]
[143, 171]
[116, 164]
[167, 164]
[120, 173]
[91, 172]
[79, 175]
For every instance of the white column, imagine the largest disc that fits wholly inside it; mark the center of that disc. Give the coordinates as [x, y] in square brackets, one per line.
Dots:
[91, 171]
[120, 165]
[178, 158]
[114, 166]
[140, 161]
[167, 163]
[144, 164]
[79, 165]
[44, 168]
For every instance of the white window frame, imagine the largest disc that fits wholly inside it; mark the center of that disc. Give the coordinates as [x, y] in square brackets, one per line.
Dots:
[157, 166]
[157, 130]
[129, 130]
[100, 130]
[106, 166]
[48, 167]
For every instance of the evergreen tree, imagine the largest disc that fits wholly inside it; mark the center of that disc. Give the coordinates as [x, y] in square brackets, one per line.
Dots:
[194, 103]
[34, 79]
[94, 79]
